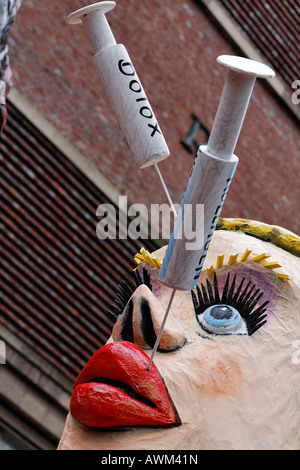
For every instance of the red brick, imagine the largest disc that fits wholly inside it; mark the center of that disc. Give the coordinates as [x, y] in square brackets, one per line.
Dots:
[173, 46]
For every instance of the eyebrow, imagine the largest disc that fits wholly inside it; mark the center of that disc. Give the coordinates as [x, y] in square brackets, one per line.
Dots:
[145, 256]
[261, 258]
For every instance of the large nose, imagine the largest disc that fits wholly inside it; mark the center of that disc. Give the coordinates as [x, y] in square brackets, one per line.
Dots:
[141, 320]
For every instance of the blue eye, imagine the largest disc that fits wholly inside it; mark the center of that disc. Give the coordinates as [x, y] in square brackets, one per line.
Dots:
[222, 319]
[239, 310]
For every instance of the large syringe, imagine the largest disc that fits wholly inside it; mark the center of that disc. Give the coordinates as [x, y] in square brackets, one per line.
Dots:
[212, 174]
[210, 179]
[124, 90]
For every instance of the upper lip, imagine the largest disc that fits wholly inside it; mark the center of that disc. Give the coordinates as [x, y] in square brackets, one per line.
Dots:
[115, 389]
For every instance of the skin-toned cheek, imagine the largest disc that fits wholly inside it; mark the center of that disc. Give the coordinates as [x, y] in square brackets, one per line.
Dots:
[218, 374]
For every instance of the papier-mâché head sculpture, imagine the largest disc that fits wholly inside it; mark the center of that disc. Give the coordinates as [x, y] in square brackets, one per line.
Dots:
[227, 371]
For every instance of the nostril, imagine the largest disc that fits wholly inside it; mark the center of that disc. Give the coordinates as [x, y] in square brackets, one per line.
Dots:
[140, 321]
[142, 332]
[169, 342]
[146, 324]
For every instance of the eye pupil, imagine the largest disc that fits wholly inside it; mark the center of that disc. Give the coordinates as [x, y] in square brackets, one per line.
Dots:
[221, 312]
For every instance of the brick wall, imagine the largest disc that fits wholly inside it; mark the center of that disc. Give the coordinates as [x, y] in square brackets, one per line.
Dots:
[173, 46]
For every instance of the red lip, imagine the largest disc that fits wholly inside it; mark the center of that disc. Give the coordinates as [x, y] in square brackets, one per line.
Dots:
[115, 389]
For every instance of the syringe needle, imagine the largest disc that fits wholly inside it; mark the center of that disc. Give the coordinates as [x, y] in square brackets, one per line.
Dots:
[161, 329]
[165, 189]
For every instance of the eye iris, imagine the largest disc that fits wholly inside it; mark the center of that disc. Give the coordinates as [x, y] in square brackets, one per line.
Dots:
[221, 315]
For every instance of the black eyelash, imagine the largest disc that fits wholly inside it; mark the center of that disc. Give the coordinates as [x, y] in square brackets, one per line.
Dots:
[125, 289]
[243, 299]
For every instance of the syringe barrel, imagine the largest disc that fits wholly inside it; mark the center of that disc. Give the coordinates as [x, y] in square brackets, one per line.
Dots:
[208, 185]
[130, 105]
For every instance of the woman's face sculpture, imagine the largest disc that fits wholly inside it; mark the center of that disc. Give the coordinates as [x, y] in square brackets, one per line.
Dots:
[232, 380]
